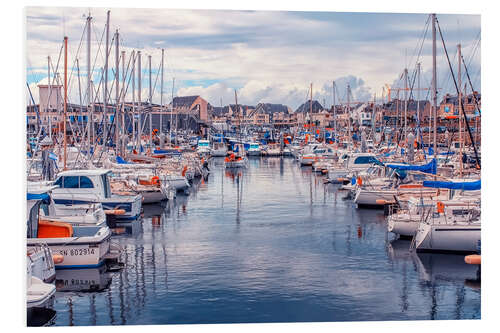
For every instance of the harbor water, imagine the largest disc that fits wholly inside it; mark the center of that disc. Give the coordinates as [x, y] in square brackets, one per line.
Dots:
[269, 243]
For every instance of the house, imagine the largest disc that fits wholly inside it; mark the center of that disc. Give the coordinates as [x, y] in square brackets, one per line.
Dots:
[194, 105]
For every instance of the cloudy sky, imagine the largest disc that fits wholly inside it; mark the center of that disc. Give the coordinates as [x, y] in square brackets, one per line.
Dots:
[267, 56]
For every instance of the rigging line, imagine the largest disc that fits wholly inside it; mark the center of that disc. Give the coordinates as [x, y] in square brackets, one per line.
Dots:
[472, 87]
[76, 56]
[102, 37]
[111, 132]
[422, 38]
[460, 104]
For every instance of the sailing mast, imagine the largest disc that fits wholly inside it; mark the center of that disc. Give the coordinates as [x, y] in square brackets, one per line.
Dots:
[150, 110]
[418, 102]
[65, 96]
[105, 101]
[90, 120]
[117, 89]
[48, 100]
[349, 115]
[139, 79]
[434, 79]
[133, 97]
[406, 100]
[459, 49]
[122, 140]
[334, 113]
[161, 94]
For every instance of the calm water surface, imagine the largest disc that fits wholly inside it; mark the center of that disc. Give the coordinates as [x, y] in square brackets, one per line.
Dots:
[270, 243]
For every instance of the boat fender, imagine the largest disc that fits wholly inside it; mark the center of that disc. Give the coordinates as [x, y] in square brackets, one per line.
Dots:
[473, 259]
[114, 211]
[381, 202]
[359, 181]
[58, 258]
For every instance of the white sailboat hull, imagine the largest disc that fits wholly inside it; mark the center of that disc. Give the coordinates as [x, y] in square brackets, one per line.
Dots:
[448, 237]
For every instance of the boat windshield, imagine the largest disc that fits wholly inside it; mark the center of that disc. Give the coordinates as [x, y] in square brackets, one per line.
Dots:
[254, 145]
[202, 144]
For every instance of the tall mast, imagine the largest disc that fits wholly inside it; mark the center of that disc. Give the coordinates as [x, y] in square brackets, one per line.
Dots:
[122, 146]
[117, 88]
[334, 114]
[311, 101]
[161, 94]
[434, 79]
[406, 100]
[171, 112]
[150, 109]
[459, 47]
[418, 101]
[133, 96]
[349, 114]
[177, 113]
[65, 96]
[139, 79]
[48, 99]
[90, 119]
[105, 101]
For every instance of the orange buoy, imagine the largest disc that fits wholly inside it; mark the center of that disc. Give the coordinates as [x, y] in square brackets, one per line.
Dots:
[58, 258]
[381, 202]
[359, 181]
[473, 259]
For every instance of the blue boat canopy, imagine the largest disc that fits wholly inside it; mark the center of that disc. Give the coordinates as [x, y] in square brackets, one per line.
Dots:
[466, 186]
[38, 196]
[430, 167]
[120, 160]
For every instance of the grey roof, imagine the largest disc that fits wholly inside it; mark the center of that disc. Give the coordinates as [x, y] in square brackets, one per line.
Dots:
[184, 101]
[305, 107]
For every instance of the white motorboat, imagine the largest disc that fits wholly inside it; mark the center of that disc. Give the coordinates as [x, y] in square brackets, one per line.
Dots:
[254, 149]
[203, 147]
[80, 246]
[89, 214]
[93, 186]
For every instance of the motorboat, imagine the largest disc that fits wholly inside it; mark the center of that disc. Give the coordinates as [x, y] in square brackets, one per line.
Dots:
[93, 186]
[254, 149]
[203, 147]
[80, 246]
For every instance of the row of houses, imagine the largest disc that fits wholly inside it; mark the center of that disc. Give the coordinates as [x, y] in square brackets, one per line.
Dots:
[200, 111]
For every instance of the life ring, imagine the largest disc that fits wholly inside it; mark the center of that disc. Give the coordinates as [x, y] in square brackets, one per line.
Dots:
[155, 180]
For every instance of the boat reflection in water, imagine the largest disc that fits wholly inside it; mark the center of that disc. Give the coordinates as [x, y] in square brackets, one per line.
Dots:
[83, 280]
[38, 317]
[435, 267]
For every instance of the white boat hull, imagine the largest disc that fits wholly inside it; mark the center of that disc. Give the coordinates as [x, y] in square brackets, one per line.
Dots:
[78, 252]
[448, 237]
